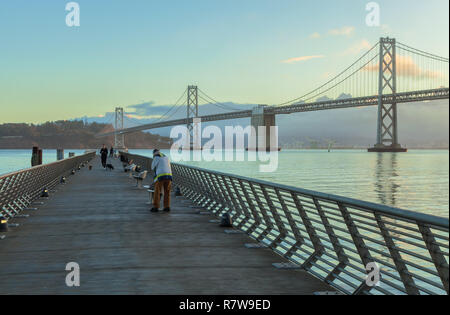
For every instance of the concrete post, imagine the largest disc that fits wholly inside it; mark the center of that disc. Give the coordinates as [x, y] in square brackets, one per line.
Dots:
[261, 119]
[60, 154]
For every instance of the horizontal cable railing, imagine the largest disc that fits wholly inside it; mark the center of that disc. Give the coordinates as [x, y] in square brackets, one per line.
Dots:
[19, 189]
[334, 238]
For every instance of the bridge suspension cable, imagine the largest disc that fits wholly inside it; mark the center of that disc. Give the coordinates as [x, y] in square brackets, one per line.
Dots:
[166, 116]
[421, 52]
[416, 70]
[208, 99]
[342, 81]
[128, 122]
[109, 120]
[420, 70]
[177, 105]
[363, 63]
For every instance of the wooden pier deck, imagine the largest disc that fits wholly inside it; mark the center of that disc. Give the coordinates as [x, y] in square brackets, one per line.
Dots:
[101, 221]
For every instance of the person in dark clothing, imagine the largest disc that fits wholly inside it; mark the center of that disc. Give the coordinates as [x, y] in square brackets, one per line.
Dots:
[104, 155]
[111, 152]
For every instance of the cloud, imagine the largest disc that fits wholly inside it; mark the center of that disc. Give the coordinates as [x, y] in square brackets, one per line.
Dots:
[344, 96]
[143, 109]
[147, 110]
[323, 99]
[315, 35]
[343, 31]
[356, 48]
[142, 117]
[407, 67]
[303, 58]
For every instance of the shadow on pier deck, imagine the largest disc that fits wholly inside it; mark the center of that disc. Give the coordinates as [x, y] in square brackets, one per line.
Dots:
[101, 221]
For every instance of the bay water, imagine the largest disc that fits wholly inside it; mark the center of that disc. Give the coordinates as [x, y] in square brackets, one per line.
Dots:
[416, 181]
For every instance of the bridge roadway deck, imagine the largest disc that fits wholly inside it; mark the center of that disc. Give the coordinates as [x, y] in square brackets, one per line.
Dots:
[101, 221]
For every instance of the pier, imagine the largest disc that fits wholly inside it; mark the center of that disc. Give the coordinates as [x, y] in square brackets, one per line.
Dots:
[284, 240]
[101, 221]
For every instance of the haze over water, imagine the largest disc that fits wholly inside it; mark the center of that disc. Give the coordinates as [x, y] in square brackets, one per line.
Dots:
[417, 180]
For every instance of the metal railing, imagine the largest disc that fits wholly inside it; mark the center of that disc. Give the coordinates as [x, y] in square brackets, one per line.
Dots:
[19, 189]
[332, 237]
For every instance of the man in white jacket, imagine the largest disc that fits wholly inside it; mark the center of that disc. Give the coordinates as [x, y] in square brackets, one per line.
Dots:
[163, 180]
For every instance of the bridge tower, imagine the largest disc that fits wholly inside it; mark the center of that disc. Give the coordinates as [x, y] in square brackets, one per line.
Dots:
[387, 132]
[192, 113]
[119, 139]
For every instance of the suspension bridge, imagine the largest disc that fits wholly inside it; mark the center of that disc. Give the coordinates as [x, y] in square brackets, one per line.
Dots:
[388, 74]
[281, 240]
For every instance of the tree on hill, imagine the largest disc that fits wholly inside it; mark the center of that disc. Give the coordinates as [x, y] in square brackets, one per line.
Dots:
[71, 135]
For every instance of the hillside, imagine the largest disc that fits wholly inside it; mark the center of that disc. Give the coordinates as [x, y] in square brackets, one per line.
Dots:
[71, 135]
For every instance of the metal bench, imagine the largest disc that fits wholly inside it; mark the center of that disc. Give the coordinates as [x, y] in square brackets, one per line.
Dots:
[140, 178]
[151, 193]
[130, 169]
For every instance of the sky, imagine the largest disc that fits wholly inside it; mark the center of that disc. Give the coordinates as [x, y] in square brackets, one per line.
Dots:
[241, 51]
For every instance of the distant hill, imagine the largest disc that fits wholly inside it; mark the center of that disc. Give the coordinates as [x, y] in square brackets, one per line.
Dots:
[72, 135]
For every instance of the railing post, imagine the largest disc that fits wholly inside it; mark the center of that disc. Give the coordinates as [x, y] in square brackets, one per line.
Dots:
[436, 254]
[253, 213]
[315, 240]
[236, 199]
[222, 202]
[212, 192]
[229, 200]
[276, 217]
[294, 228]
[343, 260]
[242, 206]
[267, 221]
[360, 245]
[207, 188]
[402, 269]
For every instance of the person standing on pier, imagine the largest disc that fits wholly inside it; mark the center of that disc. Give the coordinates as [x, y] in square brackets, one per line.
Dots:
[163, 180]
[104, 155]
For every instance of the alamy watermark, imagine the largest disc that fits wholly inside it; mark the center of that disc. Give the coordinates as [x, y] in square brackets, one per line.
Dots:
[73, 277]
[262, 144]
[373, 18]
[73, 17]
[373, 275]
